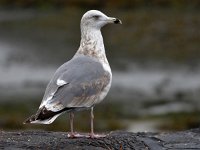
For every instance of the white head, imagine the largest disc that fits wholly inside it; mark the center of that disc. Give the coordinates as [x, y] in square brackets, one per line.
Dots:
[96, 19]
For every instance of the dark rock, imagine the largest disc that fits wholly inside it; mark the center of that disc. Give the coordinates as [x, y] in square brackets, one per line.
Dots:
[117, 140]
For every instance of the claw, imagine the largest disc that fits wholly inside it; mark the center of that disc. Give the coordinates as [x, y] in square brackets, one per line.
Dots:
[78, 135]
[75, 135]
[93, 136]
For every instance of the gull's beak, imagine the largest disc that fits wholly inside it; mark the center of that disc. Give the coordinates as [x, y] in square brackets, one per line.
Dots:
[117, 21]
[114, 20]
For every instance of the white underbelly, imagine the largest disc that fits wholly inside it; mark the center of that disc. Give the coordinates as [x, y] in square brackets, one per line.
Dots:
[105, 91]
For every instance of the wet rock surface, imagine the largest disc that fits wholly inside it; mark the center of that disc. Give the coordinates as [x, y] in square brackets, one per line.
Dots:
[117, 140]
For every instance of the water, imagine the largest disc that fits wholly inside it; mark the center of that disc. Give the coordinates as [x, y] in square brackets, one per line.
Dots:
[31, 51]
[135, 84]
[27, 64]
[158, 83]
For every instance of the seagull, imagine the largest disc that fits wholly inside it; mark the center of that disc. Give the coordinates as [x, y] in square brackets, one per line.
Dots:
[83, 81]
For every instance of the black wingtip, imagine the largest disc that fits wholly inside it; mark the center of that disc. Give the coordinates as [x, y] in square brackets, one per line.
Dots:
[41, 115]
[44, 114]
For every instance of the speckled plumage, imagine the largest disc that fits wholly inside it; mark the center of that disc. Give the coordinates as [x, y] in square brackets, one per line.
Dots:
[83, 81]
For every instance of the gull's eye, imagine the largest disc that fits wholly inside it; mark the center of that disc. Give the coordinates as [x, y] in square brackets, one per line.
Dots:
[96, 16]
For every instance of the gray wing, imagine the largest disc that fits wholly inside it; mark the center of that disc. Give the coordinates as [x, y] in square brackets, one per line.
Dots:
[81, 81]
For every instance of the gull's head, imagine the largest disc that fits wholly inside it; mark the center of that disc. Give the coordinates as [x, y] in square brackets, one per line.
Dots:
[96, 19]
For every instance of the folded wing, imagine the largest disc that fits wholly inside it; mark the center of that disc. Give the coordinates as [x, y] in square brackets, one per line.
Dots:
[76, 84]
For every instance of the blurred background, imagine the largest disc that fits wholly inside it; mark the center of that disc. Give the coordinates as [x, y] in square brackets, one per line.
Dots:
[154, 56]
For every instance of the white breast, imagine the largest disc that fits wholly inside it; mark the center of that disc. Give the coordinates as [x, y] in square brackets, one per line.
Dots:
[105, 91]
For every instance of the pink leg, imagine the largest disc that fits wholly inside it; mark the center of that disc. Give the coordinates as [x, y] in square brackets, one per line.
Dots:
[92, 123]
[72, 134]
[92, 135]
[72, 122]
[71, 117]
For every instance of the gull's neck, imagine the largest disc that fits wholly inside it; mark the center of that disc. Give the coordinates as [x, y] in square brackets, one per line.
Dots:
[94, 36]
[91, 43]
